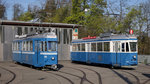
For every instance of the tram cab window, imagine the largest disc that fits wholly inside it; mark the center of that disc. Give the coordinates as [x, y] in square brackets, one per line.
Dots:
[127, 47]
[83, 47]
[106, 46]
[123, 47]
[43, 46]
[133, 46]
[99, 47]
[93, 46]
[51, 46]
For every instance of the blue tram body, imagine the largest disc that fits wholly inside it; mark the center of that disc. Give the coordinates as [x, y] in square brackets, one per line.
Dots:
[114, 50]
[38, 50]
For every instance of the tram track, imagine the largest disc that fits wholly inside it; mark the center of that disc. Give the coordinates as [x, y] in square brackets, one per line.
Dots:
[59, 81]
[99, 76]
[69, 80]
[14, 75]
[84, 78]
[146, 81]
[127, 79]
[137, 79]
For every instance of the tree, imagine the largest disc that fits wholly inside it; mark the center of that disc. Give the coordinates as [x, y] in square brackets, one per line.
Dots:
[27, 16]
[18, 10]
[49, 10]
[2, 9]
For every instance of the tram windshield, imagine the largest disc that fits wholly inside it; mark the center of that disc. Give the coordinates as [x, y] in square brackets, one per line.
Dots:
[51, 46]
[133, 46]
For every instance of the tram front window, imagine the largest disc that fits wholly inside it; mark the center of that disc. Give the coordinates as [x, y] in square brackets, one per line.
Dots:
[51, 46]
[133, 46]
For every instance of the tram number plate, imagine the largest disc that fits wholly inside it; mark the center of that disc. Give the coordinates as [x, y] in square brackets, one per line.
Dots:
[99, 58]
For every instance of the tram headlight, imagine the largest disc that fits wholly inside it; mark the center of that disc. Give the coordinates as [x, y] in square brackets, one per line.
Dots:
[134, 56]
[53, 58]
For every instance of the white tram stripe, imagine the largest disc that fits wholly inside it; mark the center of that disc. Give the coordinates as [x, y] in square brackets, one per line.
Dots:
[16, 51]
[28, 52]
[48, 53]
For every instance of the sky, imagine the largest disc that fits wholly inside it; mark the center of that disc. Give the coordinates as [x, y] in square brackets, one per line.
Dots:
[25, 3]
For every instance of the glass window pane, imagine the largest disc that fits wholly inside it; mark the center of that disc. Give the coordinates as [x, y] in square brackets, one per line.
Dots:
[83, 47]
[28, 46]
[31, 46]
[41, 46]
[133, 46]
[78, 47]
[93, 46]
[106, 46]
[127, 47]
[123, 47]
[45, 46]
[74, 47]
[99, 46]
[51, 46]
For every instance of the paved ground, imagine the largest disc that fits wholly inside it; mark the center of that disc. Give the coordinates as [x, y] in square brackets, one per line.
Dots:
[73, 73]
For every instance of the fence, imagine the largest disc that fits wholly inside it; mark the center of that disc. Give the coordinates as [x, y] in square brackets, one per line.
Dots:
[144, 59]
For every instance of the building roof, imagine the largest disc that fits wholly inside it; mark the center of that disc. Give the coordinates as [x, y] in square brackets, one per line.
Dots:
[39, 24]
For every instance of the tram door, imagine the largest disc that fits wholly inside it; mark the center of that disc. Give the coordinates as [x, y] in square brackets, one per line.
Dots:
[117, 54]
[88, 49]
[37, 52]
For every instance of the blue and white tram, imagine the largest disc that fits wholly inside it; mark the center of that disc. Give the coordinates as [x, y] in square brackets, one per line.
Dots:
[114, 50]
[38, 50]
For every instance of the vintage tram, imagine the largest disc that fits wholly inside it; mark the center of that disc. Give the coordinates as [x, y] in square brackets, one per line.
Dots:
[119, 50]
[38, 50]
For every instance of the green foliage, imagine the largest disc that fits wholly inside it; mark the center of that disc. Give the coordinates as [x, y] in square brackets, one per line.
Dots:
[27, 16]
[143, 45]
[76, 18]
[129, 20]
[61, 14]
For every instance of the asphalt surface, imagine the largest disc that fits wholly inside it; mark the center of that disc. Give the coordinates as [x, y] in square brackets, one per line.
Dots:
[73, 73]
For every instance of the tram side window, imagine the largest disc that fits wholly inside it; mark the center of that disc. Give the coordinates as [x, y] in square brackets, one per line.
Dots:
[31, 46]
[24, 46]
[83, 47]
[28, 46]
[51, 46]
[99, 47]
[14, 45]
[18, 46]
[127, 47]
[74, 46]
[78, 47]
[123, 47]
[93, 46]
[106, 46]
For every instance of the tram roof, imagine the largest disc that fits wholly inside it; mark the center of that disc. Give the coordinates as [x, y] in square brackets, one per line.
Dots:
[109, 38]
[39, 24]
[43, 35]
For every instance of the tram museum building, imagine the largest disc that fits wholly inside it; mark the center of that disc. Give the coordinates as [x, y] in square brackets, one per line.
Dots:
[10, 29]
